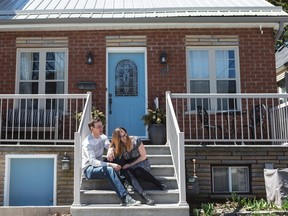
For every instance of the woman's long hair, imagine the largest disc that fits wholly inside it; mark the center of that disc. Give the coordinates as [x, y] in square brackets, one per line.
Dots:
[118, 145]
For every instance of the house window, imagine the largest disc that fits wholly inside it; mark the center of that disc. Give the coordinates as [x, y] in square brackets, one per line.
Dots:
[228, 179]
[213, 70]
[41, 72]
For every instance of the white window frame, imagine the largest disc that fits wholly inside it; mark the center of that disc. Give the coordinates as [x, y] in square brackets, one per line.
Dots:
[42, 69]
[230, 186]
[212, 70]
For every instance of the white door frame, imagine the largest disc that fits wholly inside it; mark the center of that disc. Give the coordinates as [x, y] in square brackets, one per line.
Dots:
[7, 173]
[126, 50]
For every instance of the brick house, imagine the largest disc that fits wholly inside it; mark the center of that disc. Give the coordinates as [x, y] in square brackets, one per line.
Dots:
[46, 46]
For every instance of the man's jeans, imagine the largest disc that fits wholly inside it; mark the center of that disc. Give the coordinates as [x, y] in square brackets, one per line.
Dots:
[109, 173]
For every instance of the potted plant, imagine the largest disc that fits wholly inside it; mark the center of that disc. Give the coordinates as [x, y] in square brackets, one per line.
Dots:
[156, 122]
[94, 113]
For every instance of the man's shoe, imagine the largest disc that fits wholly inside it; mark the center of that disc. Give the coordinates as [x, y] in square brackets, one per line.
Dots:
[148, 200]
[129, 201]
[128, 187]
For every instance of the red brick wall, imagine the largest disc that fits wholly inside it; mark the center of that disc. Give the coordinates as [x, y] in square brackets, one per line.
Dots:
[256, 51]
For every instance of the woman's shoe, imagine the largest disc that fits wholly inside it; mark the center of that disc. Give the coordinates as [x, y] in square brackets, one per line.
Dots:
[163, 187]
[148, 200]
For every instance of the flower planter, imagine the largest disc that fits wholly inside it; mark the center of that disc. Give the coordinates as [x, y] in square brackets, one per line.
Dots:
[157, 134]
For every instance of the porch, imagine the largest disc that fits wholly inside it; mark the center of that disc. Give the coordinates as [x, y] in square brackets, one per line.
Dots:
[231, 119]
[203, 118]
[231, 113]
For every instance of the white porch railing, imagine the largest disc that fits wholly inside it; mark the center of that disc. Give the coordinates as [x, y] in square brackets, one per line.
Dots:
[232, 118]
[80, 135]
[175, 139]
[41, 118]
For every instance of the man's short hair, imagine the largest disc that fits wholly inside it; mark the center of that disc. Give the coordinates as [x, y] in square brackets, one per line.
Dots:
[92, 122]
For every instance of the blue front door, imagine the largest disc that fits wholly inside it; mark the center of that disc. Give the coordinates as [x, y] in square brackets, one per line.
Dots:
[31, 182]
[126, 91]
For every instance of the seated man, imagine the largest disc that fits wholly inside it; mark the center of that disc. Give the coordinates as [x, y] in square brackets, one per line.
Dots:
[95, 168]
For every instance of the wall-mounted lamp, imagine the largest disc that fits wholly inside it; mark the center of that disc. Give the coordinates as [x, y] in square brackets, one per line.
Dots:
[65, 162]
[89, 58]
[163, 61]
[261, 29]
[163, 57]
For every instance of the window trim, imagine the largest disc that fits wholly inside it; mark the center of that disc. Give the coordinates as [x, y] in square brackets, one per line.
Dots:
[212, 72]
[41, 50]
[229, 167]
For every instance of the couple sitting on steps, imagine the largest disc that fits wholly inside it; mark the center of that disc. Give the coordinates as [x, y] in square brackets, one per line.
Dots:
[125, 155]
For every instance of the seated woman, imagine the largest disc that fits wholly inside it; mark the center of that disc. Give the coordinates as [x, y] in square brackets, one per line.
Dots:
[136, 165]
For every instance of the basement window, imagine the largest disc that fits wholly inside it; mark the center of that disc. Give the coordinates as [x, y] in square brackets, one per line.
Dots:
[228, 179]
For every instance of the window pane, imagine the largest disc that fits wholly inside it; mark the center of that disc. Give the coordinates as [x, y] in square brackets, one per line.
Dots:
[226, 86]
[29, 66]
[200, 86]
[197, 86]
[240, 179]
[199, 64]
[54, 88]
[230, 179]
[227, 103]
[55, 104]
[28, 88]
[55, 65]
[225, 64]
[220, 179]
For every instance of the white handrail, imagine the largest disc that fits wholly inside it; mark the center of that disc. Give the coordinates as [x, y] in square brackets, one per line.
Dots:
[175, 139]
[81, 134]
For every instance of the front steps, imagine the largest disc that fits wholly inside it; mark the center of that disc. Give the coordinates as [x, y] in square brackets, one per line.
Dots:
[97, 197]
[142, 210]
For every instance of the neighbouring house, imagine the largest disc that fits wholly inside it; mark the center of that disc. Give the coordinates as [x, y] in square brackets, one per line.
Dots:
[281, 68]
[213, 60]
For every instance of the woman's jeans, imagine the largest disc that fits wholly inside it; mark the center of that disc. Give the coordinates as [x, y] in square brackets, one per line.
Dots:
[109, 173]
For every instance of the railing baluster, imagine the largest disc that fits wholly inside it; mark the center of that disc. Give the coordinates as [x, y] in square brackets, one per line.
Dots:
[248, 122]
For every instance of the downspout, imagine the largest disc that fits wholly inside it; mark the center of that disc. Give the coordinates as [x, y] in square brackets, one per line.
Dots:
[279, 32]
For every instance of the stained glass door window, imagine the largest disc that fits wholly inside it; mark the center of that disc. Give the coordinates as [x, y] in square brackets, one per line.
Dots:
[126, 81]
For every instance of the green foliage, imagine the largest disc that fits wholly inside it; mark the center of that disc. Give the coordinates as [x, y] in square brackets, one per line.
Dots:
[196, 212]
[235, 197]
[157, 116]
[284, 205]
[257, 205]
[208, 209]
[237, 203]
[94, 114]
[284, 36]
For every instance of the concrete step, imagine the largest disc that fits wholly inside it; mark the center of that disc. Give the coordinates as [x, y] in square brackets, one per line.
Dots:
[142, 210]
[97, 197]
[160, 159]
[157, 149]
[103, 184]
[162, 170]
[110, 197]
